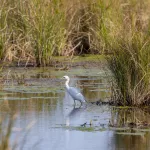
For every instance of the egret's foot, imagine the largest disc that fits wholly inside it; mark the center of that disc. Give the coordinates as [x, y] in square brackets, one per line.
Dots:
[80, 104]
[84, 105]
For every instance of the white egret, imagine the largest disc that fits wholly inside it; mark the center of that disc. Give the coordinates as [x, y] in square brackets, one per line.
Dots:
[74, 92]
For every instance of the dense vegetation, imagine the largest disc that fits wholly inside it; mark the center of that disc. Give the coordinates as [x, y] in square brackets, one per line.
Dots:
[37, 30]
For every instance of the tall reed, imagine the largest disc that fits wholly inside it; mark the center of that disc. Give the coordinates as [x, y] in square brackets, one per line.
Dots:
[130, 57]
[48, 29]
[32, 30]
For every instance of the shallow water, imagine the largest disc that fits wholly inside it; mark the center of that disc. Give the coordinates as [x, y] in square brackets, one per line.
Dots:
[47, 120]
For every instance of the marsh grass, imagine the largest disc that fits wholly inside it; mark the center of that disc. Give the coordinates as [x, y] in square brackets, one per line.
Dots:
[130, 67]
[130, 117]
[31, 30]
[130, 59]
[35, 31]
[48, 34]
[80, 20]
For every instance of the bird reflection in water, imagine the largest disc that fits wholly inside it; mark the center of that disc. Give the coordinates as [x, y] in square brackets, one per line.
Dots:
[75, 115]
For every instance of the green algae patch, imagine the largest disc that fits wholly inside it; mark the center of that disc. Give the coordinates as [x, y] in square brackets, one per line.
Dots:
[96, 58]
[130, 133]
[14, 98]
[81, 128]
[44, 97]
[142, 129]
[119, 129]
[82, 58]
[32, 89]
[88, 129]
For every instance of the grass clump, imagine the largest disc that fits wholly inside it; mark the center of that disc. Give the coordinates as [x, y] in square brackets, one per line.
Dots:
[130, 67]
[31, 31]
[130, 57]
[48, 34]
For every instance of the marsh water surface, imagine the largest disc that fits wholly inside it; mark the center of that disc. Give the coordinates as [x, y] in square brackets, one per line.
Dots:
[46, 118]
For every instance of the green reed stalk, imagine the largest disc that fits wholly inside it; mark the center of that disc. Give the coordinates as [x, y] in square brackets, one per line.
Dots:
[48, 31]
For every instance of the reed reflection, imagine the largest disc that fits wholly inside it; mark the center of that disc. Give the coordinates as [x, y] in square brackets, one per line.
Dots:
[131, 127]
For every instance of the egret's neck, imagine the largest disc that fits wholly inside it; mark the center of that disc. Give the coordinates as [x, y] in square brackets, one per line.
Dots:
[67, 83]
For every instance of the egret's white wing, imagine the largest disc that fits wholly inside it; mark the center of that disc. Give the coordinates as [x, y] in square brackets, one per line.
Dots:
[73, 90]
[76, 94]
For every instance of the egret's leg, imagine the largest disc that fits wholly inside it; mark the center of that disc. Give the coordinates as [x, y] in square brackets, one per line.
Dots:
[81, 104]
[74, 103]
